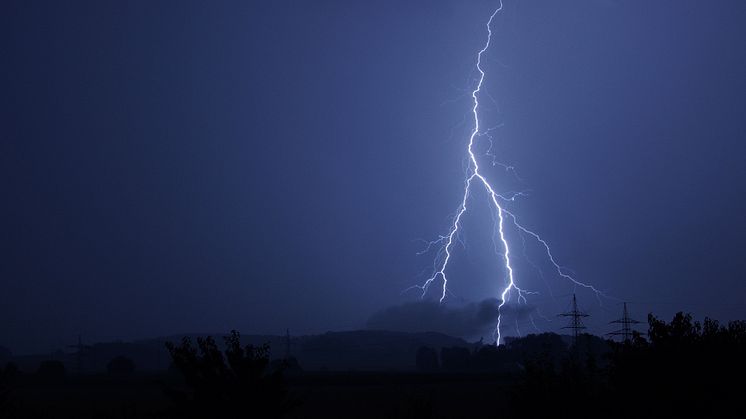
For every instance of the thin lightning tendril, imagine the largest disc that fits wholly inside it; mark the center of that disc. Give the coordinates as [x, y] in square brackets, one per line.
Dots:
[473, 175]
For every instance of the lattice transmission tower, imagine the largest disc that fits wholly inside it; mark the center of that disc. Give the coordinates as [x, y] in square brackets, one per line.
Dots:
[627, 323]
[576, 320]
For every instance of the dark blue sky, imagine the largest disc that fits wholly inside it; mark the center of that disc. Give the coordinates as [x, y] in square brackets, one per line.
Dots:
[200, 166]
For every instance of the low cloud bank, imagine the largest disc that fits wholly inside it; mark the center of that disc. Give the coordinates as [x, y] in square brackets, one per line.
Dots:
[469, 320]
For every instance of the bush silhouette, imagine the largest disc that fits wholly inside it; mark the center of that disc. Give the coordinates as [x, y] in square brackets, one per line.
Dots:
[233, 383]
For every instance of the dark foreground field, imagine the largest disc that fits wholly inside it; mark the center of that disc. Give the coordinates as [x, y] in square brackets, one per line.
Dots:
[353, 394]
[401, 395]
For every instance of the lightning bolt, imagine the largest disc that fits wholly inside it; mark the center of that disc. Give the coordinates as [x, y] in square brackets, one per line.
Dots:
[503, 216]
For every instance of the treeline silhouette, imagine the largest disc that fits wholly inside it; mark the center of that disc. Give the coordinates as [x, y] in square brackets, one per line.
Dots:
[679, 368]
[684, 368]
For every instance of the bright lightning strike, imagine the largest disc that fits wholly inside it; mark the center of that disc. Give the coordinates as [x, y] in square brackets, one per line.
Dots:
[503, 216]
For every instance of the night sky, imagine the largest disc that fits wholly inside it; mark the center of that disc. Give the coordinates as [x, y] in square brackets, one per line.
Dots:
[192, 166]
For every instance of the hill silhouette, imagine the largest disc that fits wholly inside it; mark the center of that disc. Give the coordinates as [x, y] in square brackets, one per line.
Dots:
[361, 350]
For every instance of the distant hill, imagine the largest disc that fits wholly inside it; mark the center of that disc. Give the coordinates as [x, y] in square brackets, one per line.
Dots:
[368, 349]
[363, 350]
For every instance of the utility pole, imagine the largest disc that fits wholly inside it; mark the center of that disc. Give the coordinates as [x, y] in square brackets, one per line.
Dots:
[626, 331]
[576, 322]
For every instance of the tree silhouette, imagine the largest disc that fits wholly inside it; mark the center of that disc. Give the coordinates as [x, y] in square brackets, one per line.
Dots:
[687, 367]
[233, 383]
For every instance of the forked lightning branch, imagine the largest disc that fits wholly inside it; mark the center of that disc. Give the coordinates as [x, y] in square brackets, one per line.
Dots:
[504, 219]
